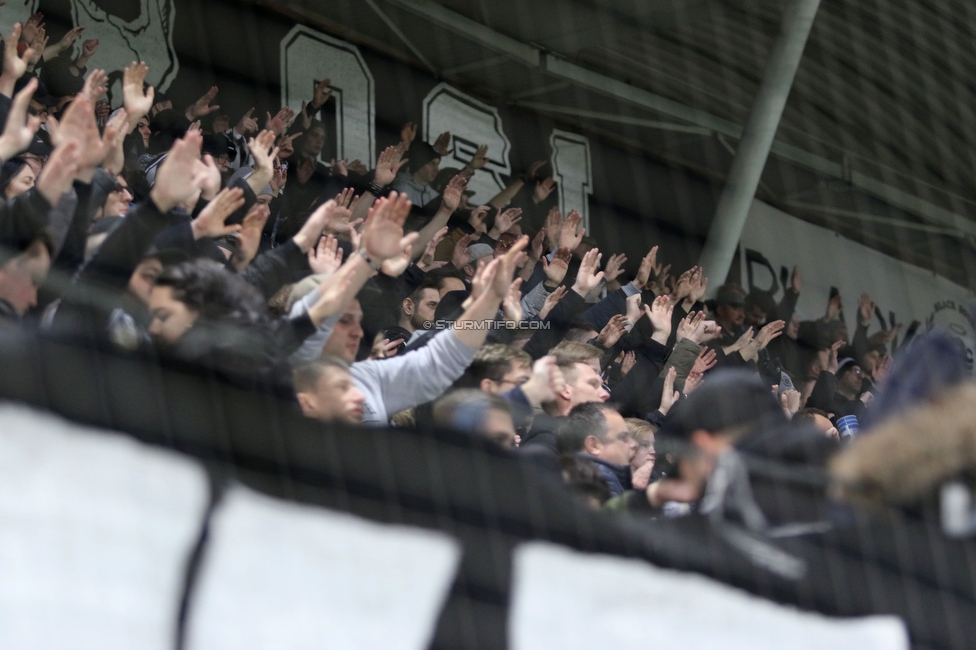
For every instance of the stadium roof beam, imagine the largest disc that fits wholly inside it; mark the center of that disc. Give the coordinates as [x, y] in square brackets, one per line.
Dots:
[876, 218]
[480, 64]
[619, 119]
[403, 37]
[608, 86]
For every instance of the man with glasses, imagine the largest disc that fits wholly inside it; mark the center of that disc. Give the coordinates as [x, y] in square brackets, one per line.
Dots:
[839, 392]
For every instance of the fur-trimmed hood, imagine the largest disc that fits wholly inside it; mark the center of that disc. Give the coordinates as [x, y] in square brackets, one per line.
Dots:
[907, 458]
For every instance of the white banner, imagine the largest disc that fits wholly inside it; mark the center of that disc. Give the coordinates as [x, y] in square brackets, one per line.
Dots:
[826, 259]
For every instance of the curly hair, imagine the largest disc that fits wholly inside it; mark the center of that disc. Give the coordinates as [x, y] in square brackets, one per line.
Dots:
[205, 287]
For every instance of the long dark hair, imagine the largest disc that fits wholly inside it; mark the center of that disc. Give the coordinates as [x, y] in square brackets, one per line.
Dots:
[218, 296]
[8, 172]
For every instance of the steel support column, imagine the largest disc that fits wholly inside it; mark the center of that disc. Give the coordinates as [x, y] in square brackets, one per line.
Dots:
[757, 139]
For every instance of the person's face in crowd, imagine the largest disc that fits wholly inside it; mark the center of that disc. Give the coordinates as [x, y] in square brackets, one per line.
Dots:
[171, 318]
[730, 317]
[498, 427]
[825, 426]
[426, 174]
[143, 279]
[222, 162]
[617, 446]
[117, 203]
[348, 332]
[23, 181]
[518, 373]
[221, 123]
[755, 317]
[587, 386]
[423, 310]
[793, 327]
[852, 381]
[645, 452]
[21, 276]
[36, 162]
[335, 397]
[870, 361]
[144, 131]
[40, 110]
[314, 142]
[264, 199]
[452, 284]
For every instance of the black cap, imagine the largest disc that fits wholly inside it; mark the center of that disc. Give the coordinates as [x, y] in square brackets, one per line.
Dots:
[421, 153]
[58, 78]
[731, 295]
[727, 399]
[219, 145]
[39, 147]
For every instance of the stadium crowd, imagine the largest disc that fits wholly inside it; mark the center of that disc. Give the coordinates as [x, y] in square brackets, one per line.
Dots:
[379, 296]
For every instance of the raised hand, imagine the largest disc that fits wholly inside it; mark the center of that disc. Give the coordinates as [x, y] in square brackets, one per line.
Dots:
[751, 350]
[507, 265]
[14, 64]
[693, 381]
[443, 143]
[511, 307]
[535, 248]
[630, 360]
[587, 278]
[865, 310]
[461, 256]
[669, 396]
[659, 313]
[321, 93]
[505, 220]
[795, 283]
[699, 283]
[96, 85]
[570, 235]
[706, 360]
[615, 328]
[88, 48]
[210, 222]
[683, 286]
[882, 369]
[833, 365]
[451, 197]
[385, 348]
[551, 301]
[175, 178]
[20, 129]
[278, 124]
[553, 227]
[834, 308]
[543, 189]
[66, 41]
[426, 262]
[790, 401]
[546, 382]
[249, 237]
[633, 309]
[744, 340]
[644, 272]
[264, 155]
[247, 123]
[689, 326]
[383, 236]
[480, 158]
[556, 269]
[202, 107]
[59, 173]
[137, 102]
[326, 257]
[389, 164]
[614, 267]
[32, 25]
[408, 133]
